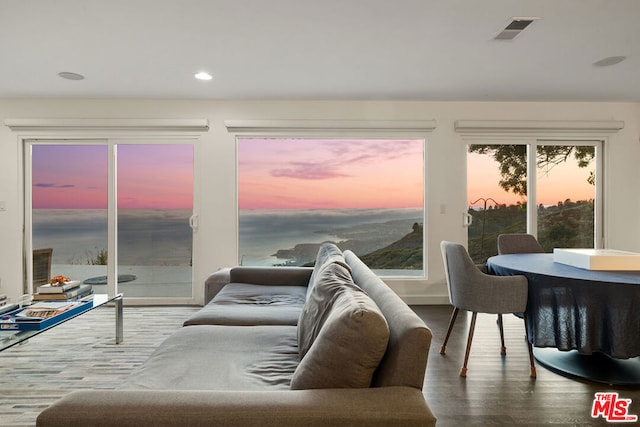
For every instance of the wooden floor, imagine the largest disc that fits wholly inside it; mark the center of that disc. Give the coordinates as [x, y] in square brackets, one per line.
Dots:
[81, 354]
[498, 390]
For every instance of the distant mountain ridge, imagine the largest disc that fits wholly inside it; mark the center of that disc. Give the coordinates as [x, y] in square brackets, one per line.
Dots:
[403, 254]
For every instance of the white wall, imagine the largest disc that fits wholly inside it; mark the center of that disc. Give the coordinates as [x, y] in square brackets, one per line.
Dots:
[215, 243]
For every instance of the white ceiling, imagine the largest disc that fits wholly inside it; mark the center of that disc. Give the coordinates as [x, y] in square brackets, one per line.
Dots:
[319, 49]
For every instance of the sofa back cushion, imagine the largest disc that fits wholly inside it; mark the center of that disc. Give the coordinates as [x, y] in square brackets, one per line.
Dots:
[342, 335]
[327, 254]
[405, 362]
[330, 282]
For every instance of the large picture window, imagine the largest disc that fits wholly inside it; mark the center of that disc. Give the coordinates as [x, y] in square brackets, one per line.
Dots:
[366, 195]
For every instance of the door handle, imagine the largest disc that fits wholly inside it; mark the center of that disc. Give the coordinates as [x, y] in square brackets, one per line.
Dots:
[467, 219]
[193, 222]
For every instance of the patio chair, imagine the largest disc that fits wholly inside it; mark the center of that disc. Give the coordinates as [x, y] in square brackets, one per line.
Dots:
[41, 267]
[518, 243]
[472, 290]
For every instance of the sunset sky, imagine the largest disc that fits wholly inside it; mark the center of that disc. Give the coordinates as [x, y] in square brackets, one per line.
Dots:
[565, 181]
[308, 173]
[275, 174]
[149, 176]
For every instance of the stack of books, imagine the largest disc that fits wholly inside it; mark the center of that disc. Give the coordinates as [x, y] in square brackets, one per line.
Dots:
[5, 306]
[69, 290]
[41, 315]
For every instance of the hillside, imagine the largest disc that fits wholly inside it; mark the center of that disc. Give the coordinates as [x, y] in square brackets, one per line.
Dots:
[405, 253]
[565, 225]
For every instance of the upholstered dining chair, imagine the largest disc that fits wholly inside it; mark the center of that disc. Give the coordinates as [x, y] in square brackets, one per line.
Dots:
[472, 290]
[518, 243]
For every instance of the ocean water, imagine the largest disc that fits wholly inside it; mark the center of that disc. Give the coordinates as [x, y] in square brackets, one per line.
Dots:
[264, 232]
[163, 237]
[145, 237]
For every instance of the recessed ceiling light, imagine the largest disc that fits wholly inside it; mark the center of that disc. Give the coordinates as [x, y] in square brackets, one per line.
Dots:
[203, 75]
[71, 76]
[611, 60]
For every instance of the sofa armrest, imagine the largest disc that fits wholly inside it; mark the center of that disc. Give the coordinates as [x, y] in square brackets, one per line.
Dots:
[215, 282]
[386, 406]
[294, 276]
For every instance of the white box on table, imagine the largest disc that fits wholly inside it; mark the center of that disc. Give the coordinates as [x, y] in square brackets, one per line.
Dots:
[598, 259]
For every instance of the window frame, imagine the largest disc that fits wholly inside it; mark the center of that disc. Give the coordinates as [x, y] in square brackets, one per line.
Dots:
[135, 130]
[339, 129]
[112, 144]
[598, 208]
[532, 144]
[485, 131]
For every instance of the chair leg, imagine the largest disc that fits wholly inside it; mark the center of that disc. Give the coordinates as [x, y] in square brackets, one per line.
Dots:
[463, 371]
[531, 360]
[454, 314]
[503, 349]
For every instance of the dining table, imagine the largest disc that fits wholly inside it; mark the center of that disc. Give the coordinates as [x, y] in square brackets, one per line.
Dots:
[581, 322]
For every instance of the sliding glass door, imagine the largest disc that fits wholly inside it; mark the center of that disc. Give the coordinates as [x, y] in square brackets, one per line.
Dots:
[69, 200]
[113, 209]
[155, 202]
[496, 204]
[550, 189]
[565, 197]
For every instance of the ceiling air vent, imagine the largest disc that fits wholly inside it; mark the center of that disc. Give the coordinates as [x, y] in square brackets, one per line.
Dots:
[514, 28]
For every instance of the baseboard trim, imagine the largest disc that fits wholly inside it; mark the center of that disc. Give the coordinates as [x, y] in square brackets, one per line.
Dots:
[426, 299]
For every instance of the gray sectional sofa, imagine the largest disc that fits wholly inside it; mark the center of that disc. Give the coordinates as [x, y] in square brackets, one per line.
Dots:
[329, 345]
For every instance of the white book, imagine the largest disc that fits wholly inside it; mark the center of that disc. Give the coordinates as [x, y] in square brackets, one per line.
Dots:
[598, 259]
[58, 289]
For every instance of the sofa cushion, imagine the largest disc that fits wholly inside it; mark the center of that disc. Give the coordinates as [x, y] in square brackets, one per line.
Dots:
[214, 357]
[405, 361]
[327, 254]
[331, 280]
[342, 335]
[248, 304]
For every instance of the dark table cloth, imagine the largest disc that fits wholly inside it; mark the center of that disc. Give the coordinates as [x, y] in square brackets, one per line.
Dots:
[572, 308]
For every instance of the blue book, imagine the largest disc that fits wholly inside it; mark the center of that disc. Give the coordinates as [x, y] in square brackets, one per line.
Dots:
[25, 320]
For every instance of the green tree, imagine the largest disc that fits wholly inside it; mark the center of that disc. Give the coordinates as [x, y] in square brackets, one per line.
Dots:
[512, 161]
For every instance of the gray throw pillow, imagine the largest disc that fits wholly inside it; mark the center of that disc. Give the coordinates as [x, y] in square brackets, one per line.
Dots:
[344, 338]
[332, 279]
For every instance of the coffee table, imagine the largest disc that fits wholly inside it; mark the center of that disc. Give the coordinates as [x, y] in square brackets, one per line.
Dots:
[13, 337]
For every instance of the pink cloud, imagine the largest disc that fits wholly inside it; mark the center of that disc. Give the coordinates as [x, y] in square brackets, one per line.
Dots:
[305, 170]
